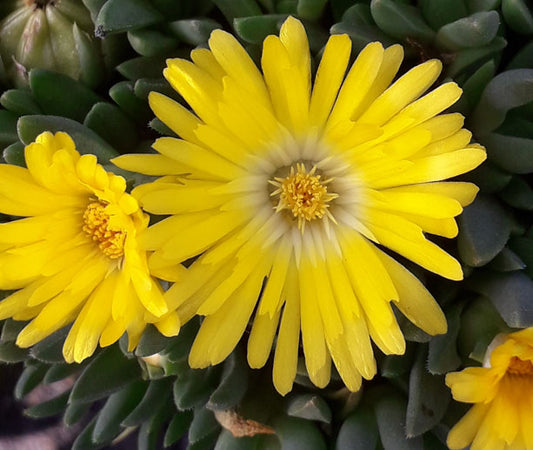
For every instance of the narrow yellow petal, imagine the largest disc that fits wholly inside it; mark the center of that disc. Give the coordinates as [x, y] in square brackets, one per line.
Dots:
[176, 117]
[329, 78]
[286, 356]
[360, 347]
[261, 339]
[150, 164]
[464, 431]
[271, 297]
[415, 302]
[419, 203]
[389, 338]
[444, 125]
[473, 385]
[357, 84]
[344, 364]
[169, 324]
[463, 192]
[404, 91]
[453, 142]
[205, 59]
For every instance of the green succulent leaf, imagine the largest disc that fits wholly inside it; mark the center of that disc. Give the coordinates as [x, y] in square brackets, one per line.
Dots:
[177, 427]
[473, 31]
[149, 42]
[256, 28]
[87, 141]
[401, 20]
[518, 193]
[391, 418]
[108, 372]
[428, 398]
[193, 387]
[493, 106]
[84, 439]
[475, 85]
[151, 342]
[512, 153]
[309, 407]
[442, 354]
[523, 59]
[74, 412]
[518, 15]
[48, 408]
[226, 441]
[31, 377]
[238, 8]
[507, 261]
[14, 154]
[489, 178]
[194, 31]
[394, 366]
[10, 353]
[233, 383]
[10, 330]
[359, 430]
[58, 372]
[298, 434]
[156, 394]
[202, 425]
[123, 93]
[150, 430]
[440, 12]
[510, 293]
[481, 5]
[19, 101]
[8, 127]
[50, 349]
[485, 228]
[310, 9]
[116, 408]
[471, 58]
[142, 67]
[122, 15]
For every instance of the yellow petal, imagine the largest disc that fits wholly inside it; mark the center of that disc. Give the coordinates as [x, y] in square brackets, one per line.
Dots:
[464, 431]
[261, 339]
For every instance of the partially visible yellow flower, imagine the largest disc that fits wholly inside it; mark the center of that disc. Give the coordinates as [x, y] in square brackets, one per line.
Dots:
[502, 393]
[297, 183]
[74, 257]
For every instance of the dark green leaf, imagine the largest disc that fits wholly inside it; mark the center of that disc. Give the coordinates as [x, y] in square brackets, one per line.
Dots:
[181, 344]
[481, 5]
[10, 353]
[84, 441]
[233, 383]
[226, 441]
[75, 412]
[150, 431]
[92, 71]
[148, 42]
[10, 330]
[203, 424]
[106, 373]
[144, 86]
[14, 154]
[87, 141]
[401, 20]
[207, 443]
[511, 294]
[440, 12]
[310, 9]
[390, 416]
[255, 29]
[309, 407]
[60, 95]
[124, 95]
[29, 379]
[493, 106]
[158, 392]
[193, 387]
[523, 246]
[472, 58]
[20, 101]
[161, 128]
[152, 342]
[8, 127]
[507, 261]
[193, 31]
[484, 230]
[49, 408]
[489, 178]
[177, 427]
[518, 15]
[122, 15]
[514, 154]
[116, 408]
[428, 398]
[523, 58]
[142, 67]
[474, 86]
[60, 371]
[50, 349]
[518, 193]
[473, 31]
[394, 366]
[94, 7]
[358, 431]
[298, 434]
[237, 8]
[442, 356]
[113, 125]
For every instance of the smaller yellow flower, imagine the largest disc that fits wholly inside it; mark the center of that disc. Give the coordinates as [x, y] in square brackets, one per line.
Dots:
[502, 417]
[73, 256]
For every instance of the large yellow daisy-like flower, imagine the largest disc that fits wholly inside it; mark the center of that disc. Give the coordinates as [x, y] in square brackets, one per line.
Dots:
[297, 183]
[502, 393]
[75, 257]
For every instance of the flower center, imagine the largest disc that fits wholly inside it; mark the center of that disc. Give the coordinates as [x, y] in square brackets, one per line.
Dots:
[518, 366]
[96, 226]
[304, 194]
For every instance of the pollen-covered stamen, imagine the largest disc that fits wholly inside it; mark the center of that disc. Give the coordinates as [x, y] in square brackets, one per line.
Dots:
[519, 366]
[303, 193]
[96, 225]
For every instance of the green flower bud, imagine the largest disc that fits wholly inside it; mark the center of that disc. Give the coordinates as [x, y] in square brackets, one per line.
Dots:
[50, 34]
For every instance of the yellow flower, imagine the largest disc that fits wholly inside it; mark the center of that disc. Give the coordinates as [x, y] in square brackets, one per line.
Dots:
[502, 391]
[74, 257]
[296, 184]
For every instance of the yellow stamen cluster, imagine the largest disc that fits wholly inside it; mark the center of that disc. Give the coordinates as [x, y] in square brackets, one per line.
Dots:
[96, 225]
[304, 193]
[518, 366]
